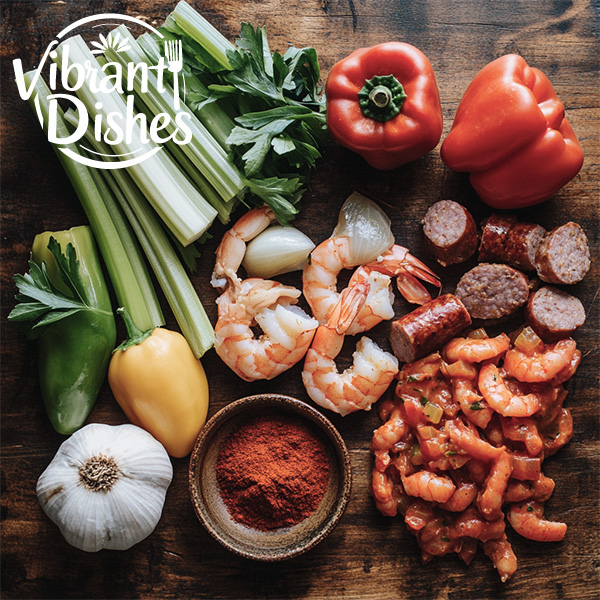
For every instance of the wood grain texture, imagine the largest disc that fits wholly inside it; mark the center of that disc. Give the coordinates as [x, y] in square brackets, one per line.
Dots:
[367, 556]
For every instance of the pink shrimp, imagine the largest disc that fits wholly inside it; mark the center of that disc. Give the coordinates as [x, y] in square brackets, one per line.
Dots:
[476, 350]
[526, 519]
[287, 330]
[502, 556]
[334, 254]
[468, 440]
[398, 262]
[385, 493]
[371, 373]
[386, 436]
[428, 486]
[491, 496]
[463, 496]
[230, 252]
[540, 366]
[471, 524]
[472, 405]
[501, 399]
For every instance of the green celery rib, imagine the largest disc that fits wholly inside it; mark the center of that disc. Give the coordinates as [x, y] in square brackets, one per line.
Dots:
[208, 156]
[119, 248]
[222, 207]
[179, 204]
[212, 116]
[197, 27]
[170, 273]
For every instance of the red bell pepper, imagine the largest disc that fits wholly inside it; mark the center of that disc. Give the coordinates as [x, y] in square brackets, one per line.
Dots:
[510, 133]
[383, 103]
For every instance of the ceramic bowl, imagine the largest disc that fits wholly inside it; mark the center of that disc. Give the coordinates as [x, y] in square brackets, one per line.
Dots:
[252, 543]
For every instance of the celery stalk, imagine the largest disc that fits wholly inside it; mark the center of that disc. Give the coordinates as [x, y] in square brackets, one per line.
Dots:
[206, 154]
[174, 198]
[212, 116]
[170, 273]
[119, 248]
[197, 27]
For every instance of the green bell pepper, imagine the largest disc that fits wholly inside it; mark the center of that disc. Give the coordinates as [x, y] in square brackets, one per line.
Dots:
[65, 304]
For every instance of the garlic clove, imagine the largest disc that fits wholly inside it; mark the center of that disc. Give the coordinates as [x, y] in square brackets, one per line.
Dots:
[106, 486]
[277, 250]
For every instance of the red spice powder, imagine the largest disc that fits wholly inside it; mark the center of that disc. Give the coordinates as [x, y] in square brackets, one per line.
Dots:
[272, 472]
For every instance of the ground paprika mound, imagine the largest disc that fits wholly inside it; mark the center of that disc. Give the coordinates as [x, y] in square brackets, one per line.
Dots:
[272, 472]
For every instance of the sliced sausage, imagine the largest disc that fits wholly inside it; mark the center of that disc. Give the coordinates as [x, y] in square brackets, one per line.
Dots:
[564, 255]
[450, 232]
[553, 314]
[428, 327]
[506, 240]
[492, 291]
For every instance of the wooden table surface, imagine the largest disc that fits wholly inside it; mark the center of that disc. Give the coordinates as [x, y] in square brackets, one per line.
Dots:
[367, 555]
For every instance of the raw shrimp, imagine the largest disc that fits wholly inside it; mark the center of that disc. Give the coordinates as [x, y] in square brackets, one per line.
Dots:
[526, 519]
[334, 254]
[371, 373]
[476, 350]
[230, 252]
[502, 556]
[540, 366]
[430, 487]
[470, 523]
[287, 330]
[501, 399]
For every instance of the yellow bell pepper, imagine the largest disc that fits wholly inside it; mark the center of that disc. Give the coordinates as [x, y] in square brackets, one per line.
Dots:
[160, 385]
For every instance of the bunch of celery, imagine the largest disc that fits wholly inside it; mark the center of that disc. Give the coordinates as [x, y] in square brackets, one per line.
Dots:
[119, 213]
[275, 101]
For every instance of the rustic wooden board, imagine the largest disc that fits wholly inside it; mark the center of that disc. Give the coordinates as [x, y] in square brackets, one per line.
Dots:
[367, 555]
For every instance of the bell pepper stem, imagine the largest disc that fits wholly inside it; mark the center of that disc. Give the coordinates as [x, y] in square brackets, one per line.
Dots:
[381, 98]
[135, 336]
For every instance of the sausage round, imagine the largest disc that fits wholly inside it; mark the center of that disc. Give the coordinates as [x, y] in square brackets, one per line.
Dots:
[450, 232]
[564, 255]
[428, 327]
[506, 240]
[553, 314]
[492, 291]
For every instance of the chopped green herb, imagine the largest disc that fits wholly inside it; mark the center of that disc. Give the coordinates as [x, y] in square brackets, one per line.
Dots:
[530, 509]
[451, 453]
[423, 401]
[412, 378]
[476, 406]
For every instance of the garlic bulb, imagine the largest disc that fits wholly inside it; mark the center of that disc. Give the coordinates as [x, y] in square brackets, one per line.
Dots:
[106, 486]
[366, 226]
[277, 250]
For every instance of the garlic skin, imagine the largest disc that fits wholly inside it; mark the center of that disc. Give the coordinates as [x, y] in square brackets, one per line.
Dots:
[106, 486]
[277, 250]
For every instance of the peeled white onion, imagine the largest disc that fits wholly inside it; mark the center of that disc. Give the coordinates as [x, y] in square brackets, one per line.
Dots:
[366, 226]
[277, 250]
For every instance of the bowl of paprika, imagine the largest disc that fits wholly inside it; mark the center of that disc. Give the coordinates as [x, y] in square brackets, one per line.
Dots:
[269, 477]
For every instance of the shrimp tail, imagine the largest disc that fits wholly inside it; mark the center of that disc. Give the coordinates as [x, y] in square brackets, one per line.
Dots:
[351, 301]
[412, 289]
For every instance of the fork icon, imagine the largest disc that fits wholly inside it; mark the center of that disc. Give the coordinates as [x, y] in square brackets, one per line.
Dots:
[174, 56]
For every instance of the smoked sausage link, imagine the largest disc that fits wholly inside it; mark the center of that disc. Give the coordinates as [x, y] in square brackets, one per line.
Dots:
[564, 255]
[553, 314]
[428, 327]
[505, 240]
[450, 232]
[492, 291]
